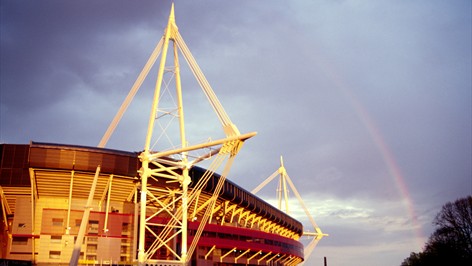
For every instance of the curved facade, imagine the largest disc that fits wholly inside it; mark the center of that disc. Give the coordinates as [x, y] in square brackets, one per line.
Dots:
[44, 190]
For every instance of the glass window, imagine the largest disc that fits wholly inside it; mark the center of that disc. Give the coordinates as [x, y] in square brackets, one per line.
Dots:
[54, 254]
[57, 221]
[56, 239]
[93, 227]
[19, 240]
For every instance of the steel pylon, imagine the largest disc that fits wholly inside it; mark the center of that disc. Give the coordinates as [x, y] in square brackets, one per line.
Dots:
[170, 234]
[282, 196]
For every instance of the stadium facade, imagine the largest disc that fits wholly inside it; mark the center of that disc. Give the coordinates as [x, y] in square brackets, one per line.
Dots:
[44, 189]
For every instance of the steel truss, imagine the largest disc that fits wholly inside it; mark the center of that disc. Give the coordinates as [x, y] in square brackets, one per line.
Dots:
[170, 234]
[282, 196]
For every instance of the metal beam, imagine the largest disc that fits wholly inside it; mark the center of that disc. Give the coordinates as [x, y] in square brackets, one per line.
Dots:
[69, 205]
[107, 208]
[83, 225]
[137, 84]
[242, 254]
[34, 195]
[3, 199]
[209, 252]
[253, 256]
[273, 257]
[265, 182]
[224, 256]
[279, 257]
[234, 213]
[263, 257]
[241, 137]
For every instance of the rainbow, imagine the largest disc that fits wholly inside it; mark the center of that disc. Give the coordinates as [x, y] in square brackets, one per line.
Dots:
[387, 156]
[390, 162]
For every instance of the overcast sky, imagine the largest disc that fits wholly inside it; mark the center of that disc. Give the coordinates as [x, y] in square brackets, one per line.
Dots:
[368, 102]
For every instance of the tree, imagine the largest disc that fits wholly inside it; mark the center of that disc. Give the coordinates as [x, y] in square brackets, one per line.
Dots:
[451, 243]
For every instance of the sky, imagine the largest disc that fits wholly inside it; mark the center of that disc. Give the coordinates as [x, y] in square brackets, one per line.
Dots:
[369, 102]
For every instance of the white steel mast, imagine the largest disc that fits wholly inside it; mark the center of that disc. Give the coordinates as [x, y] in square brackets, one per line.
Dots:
[284, 178]
[156, 165]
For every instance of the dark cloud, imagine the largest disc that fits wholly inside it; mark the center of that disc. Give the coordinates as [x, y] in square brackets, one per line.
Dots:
[322, 82]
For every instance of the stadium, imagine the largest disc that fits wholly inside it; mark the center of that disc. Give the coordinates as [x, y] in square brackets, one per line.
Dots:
[45, 188]
[68, 204]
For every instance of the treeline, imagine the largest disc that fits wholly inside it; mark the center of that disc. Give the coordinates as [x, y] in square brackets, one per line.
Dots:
[451, 242]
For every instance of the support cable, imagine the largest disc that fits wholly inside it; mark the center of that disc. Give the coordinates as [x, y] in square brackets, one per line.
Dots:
[295, 191]
[134, 89]
[233, 149]
[265, 182]
[224, 118]
[83, 225]
[178, 214]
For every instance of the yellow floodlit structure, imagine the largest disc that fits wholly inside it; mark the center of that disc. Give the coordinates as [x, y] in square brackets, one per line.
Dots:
[282, 196]
[177, 171]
